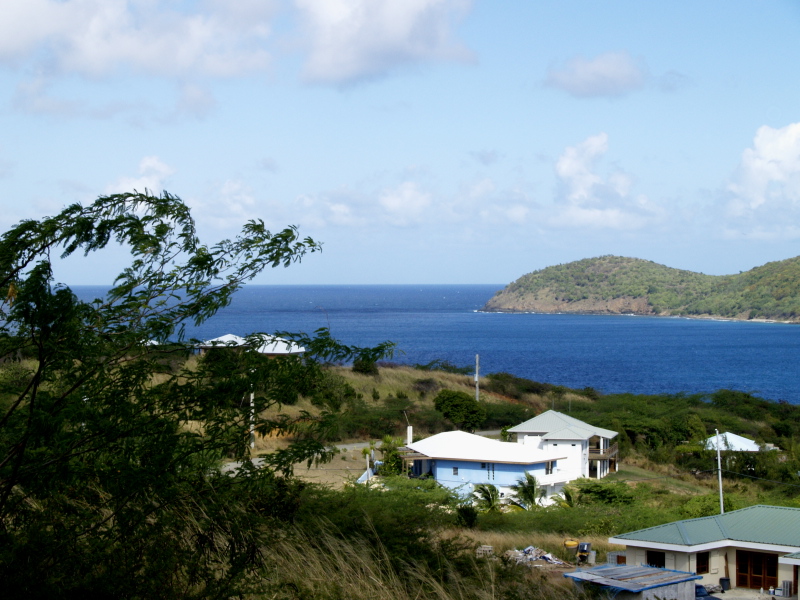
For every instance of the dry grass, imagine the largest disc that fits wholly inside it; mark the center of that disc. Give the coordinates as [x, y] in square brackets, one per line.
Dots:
[329, 567]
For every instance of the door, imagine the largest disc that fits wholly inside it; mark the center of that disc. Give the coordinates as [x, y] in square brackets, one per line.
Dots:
[756, 570]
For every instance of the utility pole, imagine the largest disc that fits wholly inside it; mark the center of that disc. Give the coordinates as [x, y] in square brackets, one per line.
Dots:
[477, 370]
[719, 477]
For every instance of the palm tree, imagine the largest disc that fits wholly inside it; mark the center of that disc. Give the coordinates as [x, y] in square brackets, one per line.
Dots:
[488, 497]
[528, 492]
[569, 497]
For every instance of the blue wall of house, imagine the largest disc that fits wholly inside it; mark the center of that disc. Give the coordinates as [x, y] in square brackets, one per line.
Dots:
[470, 473]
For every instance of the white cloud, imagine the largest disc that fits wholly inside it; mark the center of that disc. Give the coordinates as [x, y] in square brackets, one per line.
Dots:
[587, 199]
[575, 167]
[609, 74]
[97, 37]
[770, 170]
[153, 174]
[405, 204]
[352, 40]
[762, 199]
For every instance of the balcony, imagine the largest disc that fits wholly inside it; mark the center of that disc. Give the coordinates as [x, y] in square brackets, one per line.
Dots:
[603, 454]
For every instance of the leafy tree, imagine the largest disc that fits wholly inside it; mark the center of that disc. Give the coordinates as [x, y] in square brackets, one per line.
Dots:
[460, 408]
[528, 492]
[109, 445]
[706, 506]
[696, 428]
[593, 491]
[392, 462]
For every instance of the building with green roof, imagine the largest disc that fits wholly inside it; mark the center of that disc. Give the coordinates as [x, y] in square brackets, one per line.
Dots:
[755, 547]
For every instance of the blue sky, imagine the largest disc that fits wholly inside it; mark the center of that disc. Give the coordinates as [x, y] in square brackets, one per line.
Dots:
[423, 141]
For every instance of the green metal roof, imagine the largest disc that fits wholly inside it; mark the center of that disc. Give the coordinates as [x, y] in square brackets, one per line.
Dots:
[760, 524]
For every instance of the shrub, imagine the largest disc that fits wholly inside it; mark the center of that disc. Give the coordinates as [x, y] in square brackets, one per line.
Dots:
[461, 409]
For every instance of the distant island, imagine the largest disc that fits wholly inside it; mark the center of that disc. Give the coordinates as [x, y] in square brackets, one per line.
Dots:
[620, 285]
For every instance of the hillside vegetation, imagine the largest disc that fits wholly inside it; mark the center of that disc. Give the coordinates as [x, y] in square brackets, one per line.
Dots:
[620, 285]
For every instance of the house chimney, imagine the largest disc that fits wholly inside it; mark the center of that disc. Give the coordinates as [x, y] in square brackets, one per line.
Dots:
[409, 436]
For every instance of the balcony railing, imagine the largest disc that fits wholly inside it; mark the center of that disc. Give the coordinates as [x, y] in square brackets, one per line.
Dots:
[597, 453]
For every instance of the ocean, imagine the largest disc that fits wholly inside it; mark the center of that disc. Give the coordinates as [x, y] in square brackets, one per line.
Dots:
[613, 354]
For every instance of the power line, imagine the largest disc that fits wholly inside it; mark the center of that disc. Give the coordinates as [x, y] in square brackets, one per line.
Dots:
[762, 479]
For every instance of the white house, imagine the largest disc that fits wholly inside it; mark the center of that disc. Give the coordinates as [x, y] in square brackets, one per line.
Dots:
[460, 460]
[266, 344]
[588, 450]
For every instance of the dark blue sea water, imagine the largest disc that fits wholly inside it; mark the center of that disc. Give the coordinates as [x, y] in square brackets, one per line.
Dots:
[613, 354]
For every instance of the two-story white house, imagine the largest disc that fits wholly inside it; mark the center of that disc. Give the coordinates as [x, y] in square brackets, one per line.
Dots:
[588, 450]
[460, 460]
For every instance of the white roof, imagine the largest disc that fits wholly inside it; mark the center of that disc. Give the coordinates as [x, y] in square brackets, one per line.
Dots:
[460, 445]
[270, 344]
[558, 426]
[731, 441]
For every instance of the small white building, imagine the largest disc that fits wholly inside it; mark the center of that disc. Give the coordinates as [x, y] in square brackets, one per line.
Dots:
[264, 344]
[588, 450]
[731, 441]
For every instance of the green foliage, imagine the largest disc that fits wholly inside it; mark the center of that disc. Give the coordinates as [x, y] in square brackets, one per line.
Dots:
[487, 498]
[109, 446]
[509, 385]
[402, 515]
[461, 409]
[466, 516]
[425, 386]
[598, 491]
[443, 365]
[770, 291]
[695, 428]
[392, 462]
[707, 505]
[570, 497]
[365, 365]
[505, 414]
[528, 493]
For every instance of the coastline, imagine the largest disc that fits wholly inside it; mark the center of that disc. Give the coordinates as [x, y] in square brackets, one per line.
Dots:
[637, 314]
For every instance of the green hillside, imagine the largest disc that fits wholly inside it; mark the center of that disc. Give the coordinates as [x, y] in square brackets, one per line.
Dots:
[617, 285]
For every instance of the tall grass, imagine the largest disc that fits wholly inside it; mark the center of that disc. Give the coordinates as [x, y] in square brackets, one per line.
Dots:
[325, 567]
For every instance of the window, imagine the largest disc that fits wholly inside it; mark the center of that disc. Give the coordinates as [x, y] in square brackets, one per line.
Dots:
[702, 563]
[455, 470]
[548, 467]
[656, 558]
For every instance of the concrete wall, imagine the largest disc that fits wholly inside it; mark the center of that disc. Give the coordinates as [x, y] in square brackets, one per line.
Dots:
[576, 463]
[684, 561]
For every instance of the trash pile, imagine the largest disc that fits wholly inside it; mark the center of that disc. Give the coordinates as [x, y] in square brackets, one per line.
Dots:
[530, 555]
